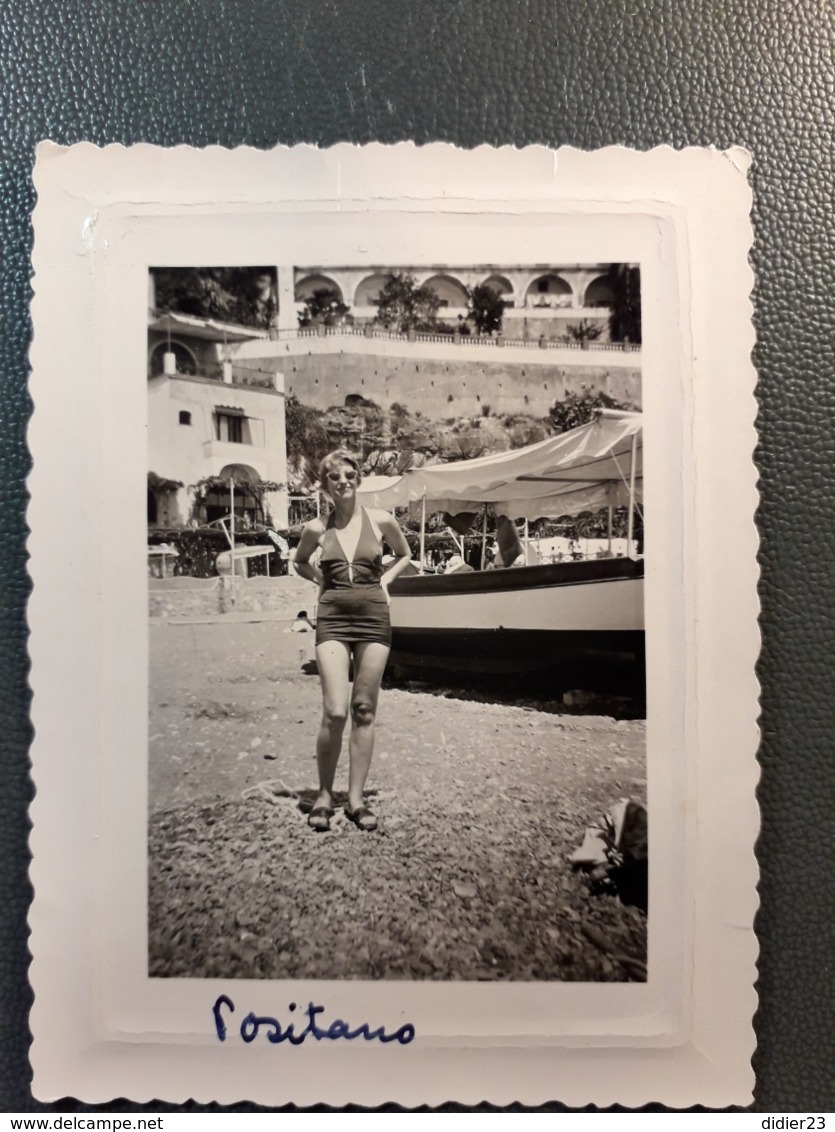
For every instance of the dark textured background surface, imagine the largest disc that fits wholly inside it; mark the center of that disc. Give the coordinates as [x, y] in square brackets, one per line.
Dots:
[758, 73]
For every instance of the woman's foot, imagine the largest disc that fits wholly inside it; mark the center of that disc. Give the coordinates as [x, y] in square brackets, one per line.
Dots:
[319, 818]
[362, 817]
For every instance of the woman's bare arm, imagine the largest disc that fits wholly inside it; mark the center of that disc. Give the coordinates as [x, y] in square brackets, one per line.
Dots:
[308, 543]
[391, 532]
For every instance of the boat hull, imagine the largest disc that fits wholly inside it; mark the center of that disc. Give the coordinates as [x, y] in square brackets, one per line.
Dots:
[521, 620]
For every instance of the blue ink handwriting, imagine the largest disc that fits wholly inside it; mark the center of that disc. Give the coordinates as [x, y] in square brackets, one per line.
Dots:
[254, 1024]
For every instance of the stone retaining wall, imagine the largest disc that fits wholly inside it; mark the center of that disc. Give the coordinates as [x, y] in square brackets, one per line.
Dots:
[178, 598]
[462, 385]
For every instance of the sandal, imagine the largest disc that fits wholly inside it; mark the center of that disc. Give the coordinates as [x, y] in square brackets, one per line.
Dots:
[319, 819]
[363, 818]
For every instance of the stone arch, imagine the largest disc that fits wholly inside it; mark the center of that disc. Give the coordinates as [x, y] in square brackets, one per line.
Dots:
[599, 293]
[242, 474]
[306, 287]
[367, 292]
[216, 502]
[185, 358]
[548, 287]
[502, 286]
[450, 291]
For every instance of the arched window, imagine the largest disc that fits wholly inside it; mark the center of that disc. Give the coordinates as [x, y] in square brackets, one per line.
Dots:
[599, 293]
[501, 287]
[307, 287]
[185, 360]
[368, 290]
[549, 290]
[450, 292]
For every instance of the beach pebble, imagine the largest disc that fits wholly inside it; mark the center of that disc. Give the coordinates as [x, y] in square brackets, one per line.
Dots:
[464, 890]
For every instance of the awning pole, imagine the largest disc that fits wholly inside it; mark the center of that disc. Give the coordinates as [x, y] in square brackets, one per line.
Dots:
[232, 526]
[422, 533]
[610, 529]
[459, 546]
[484, 538]
[631, 521]
[525, 542]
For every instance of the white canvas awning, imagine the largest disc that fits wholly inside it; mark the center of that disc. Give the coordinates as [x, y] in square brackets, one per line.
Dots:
[581, 470]
[193, 327]
[373, 485]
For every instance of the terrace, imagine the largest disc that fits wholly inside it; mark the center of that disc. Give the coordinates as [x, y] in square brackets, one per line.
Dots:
[499, 341]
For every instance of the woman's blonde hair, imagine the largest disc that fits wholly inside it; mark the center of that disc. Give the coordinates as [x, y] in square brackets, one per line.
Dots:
[339, 459]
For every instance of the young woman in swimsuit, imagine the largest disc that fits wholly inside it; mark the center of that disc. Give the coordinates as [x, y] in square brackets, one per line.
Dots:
[352, 620]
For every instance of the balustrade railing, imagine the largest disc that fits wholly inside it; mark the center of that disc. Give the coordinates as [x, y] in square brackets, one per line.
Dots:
[381, 334]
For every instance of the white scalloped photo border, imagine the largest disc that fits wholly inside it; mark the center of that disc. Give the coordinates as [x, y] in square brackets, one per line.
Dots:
[102, 1028]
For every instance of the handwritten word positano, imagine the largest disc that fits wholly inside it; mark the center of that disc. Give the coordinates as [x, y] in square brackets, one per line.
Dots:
[254, 1025]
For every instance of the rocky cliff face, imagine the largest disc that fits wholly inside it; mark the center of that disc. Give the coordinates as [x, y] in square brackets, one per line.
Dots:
[394, 441]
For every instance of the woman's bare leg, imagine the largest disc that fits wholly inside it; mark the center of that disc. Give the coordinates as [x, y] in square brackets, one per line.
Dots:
[333, 659]
[369, 664]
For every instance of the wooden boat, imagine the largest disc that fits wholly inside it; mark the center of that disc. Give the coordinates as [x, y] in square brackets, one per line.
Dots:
[529, 617]
[520, 619]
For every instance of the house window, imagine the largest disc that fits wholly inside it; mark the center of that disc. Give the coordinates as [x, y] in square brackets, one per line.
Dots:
[185, 418]
[229, 427]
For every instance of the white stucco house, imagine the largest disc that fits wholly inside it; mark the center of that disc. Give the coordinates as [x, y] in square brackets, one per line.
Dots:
[215, 431]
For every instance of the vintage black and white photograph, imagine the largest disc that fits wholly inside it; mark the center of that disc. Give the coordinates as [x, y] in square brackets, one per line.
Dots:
[396, 594]
[402, 685]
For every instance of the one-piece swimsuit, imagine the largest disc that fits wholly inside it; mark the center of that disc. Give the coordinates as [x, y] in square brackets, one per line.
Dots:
[353, 606]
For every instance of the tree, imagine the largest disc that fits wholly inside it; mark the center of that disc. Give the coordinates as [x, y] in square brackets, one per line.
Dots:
[307, 438]
[584, 331]
[323, 308]
[404, 306]
[241, 295]
[486, 308]
[577, 409]
[625, 315]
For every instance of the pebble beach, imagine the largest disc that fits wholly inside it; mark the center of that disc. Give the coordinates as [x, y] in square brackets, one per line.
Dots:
[467, 877]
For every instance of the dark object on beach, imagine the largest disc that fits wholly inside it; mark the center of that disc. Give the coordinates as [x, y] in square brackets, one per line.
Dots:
[615, 853]
[302, 623]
